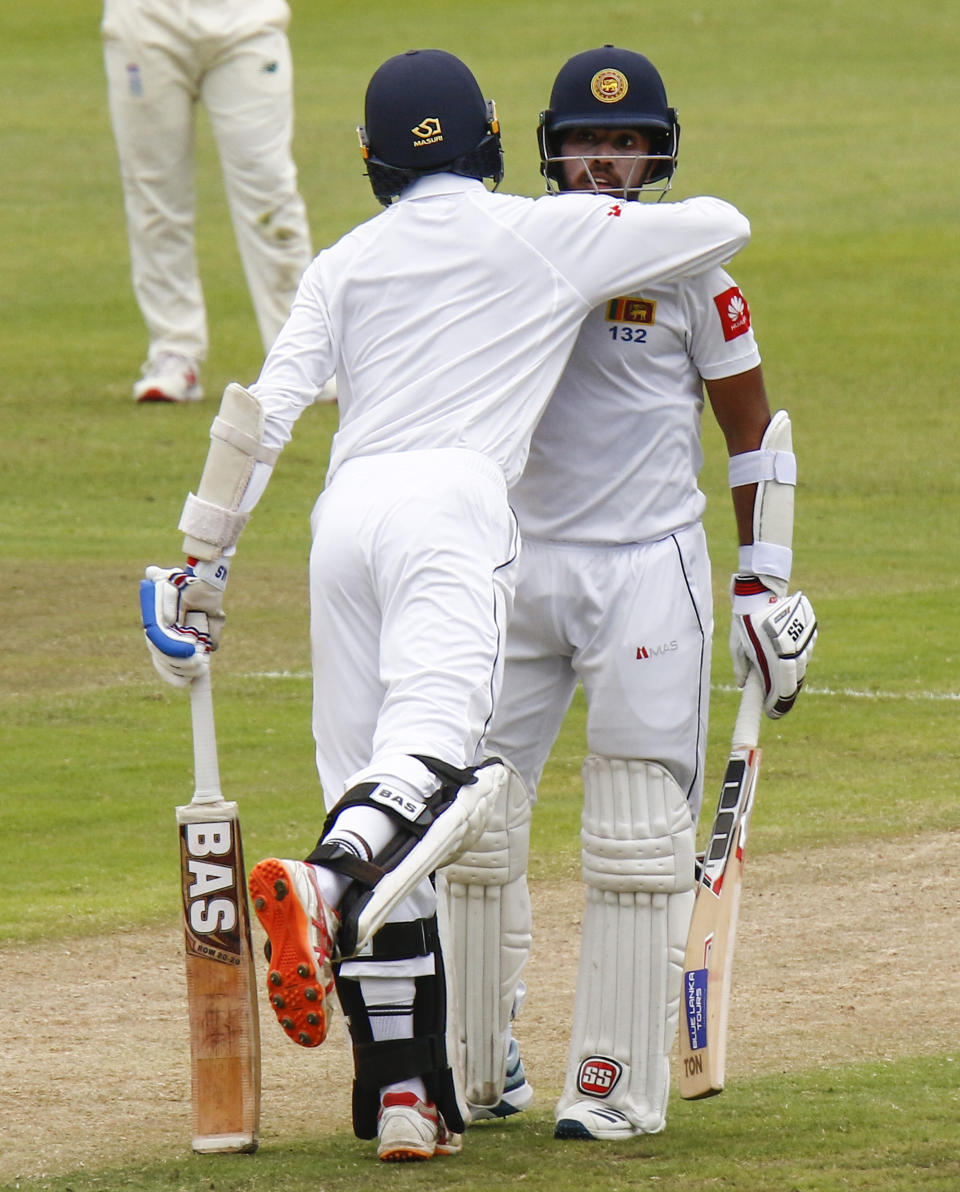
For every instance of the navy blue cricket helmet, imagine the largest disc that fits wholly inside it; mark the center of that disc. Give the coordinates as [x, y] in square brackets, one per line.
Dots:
[610, 88]
[425, 114]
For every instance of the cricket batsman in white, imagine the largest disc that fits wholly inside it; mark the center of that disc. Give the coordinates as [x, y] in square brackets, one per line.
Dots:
[614, 592]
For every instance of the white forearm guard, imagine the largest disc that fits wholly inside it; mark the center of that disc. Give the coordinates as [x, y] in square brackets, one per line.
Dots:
[773, 468]
[211, 520]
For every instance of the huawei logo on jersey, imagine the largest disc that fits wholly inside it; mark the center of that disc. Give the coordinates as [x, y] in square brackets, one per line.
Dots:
[734, 312]
[632, 310]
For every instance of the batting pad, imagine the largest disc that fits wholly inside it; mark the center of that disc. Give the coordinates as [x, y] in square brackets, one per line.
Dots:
[488, 924]
[638, 851]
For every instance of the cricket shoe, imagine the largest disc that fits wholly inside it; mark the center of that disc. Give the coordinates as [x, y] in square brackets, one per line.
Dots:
[410, 1130]
[301, 929]
[517, 1091]
[169, 378]
[593, 1119]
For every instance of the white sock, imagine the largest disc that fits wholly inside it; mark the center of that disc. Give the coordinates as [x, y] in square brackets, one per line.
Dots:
[414, 1085]
[363, 830]
[389, 1002]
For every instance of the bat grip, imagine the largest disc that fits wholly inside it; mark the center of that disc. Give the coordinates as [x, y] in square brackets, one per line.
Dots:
[206, 769]
[746, 731]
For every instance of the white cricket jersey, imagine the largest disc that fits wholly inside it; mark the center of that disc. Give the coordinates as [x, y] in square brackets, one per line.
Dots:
[616, 456]
[448, 317]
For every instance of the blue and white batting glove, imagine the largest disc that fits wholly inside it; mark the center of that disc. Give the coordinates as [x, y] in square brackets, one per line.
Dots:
[775, 634]
[182, 612]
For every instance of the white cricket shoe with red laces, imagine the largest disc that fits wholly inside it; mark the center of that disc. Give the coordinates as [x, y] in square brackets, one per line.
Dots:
[169, 378]
[409, 1130]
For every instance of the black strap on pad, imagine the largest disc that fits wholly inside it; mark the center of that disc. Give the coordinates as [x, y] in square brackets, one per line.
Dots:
[380, 1063]
[366, 873]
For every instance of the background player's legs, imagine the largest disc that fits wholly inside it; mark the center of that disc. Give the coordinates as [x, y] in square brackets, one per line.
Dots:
[249, 97]
[152, 98]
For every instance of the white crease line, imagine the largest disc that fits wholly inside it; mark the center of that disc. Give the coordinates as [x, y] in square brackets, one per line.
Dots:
[277, 675]
[853, 693]
[835, 692]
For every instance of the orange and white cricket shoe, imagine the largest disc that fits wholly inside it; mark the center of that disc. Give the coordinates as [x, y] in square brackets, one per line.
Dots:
[410, 1130]
[301, 929]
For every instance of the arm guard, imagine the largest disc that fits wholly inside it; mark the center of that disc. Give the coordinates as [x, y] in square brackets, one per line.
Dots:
[212, 519]
[773, 468]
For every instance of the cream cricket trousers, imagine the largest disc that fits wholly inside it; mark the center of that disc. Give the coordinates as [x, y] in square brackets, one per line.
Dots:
[162, 58]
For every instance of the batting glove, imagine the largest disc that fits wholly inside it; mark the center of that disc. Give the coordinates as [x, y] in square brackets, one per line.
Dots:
[183, 617]
[774, 634]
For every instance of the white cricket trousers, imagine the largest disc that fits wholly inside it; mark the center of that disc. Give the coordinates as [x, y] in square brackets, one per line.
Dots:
[411, 583]
[634, 624]
[162, 57]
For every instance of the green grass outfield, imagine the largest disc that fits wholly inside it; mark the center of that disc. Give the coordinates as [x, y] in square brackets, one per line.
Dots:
[834, 126]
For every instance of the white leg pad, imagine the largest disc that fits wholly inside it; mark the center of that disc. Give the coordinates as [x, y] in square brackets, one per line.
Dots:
[488, 924]
[457, 829]
[638, 853]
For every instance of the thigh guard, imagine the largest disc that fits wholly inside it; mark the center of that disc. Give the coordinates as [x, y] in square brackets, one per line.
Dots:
[429, 834]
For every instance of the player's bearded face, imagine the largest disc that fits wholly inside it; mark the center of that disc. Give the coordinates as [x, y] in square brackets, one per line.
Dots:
[608, 160]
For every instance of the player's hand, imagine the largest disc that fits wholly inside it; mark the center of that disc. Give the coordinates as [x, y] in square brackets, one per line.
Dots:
[183, 617]
[774, 634]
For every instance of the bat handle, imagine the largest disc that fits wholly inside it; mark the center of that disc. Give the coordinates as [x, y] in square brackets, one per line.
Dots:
[746, 731]
[206, 768]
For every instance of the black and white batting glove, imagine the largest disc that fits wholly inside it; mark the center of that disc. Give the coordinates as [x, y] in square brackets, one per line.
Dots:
[182, 612]
[775, 634]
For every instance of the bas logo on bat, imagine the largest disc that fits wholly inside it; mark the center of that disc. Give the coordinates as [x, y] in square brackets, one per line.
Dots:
[208, 859]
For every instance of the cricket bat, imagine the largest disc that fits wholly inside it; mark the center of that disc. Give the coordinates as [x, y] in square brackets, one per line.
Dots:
[221, 982]
[708, 962]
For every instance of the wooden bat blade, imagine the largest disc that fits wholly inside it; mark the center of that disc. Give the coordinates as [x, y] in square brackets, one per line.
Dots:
[221, 982]
[708, 962]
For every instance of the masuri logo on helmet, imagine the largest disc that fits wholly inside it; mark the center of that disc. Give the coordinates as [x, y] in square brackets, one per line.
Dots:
[460, 136]
[427, 132]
